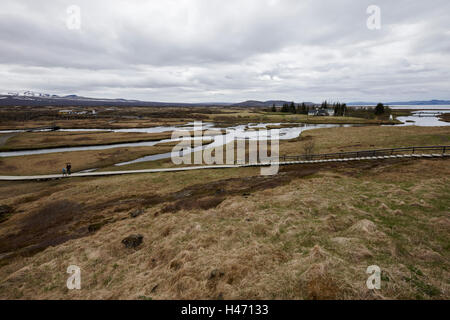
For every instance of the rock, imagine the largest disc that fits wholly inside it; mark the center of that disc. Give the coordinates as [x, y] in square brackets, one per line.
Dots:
[317, 253]
[95, 226]
[342, 240]
[175, 264]
[133, 240]
[442, 223]
[429, 255]
[360, 252]
[154, 288]
[135, 213]
[364, 225]
[183, 194]
[215, 273]
[4, 210]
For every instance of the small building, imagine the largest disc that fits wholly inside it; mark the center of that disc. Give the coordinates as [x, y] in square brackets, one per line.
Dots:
[318, 112]
[322, 112]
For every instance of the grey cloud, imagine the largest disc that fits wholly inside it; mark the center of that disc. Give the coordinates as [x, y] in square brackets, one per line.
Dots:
[197, 50]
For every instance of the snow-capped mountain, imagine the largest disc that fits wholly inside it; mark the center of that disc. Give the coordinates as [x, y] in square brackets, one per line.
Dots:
[29, 93]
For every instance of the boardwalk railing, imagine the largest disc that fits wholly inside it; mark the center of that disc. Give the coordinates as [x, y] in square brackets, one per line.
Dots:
[428, 113]
[437, 150]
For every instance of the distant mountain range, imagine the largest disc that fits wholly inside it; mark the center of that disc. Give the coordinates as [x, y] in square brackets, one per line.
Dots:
[403, 103]
[269, 103]
[30, 98]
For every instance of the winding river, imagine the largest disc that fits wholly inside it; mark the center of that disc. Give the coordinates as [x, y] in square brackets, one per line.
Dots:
[237, 132]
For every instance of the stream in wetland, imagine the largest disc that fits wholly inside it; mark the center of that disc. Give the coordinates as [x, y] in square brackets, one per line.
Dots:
[249, 131]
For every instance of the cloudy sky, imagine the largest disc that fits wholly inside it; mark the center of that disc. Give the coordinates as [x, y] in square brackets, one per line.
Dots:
[225, 51]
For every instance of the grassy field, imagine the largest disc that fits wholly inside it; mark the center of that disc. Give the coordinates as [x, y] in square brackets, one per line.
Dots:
[54, 139]
[245, 116]
[51, 163]
[58, 139]
[308, 233]
[324, 141]
[331, 140]
[105, 118]
[140, 117]
[108, 123]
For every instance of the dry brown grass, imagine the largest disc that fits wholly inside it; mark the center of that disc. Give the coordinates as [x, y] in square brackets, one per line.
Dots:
[331, 140]
[101, 123]
[148, 117]
[42, 140]
[286, 237]
[244, 115]
[337, 140]
[81, 160]
[445, 117]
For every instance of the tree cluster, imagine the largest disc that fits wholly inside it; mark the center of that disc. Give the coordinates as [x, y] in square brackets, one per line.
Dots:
[293, 108]
[340, 109]
[379, 109]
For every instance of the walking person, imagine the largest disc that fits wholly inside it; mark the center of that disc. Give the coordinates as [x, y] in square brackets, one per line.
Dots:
[64, 172]
[68, 168]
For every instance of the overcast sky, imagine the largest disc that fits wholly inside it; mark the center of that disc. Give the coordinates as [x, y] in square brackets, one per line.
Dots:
[228, 50]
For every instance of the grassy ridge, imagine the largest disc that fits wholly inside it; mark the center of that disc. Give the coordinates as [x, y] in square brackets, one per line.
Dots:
[308, 233]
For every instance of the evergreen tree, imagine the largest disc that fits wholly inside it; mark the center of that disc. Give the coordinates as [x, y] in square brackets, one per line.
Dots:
[273, 108]
[339, 109]
[292, 108]
[344, 109]
[379, 109]
[304, 109]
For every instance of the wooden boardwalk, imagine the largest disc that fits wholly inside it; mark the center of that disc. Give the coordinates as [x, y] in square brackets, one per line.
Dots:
[281, 163]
